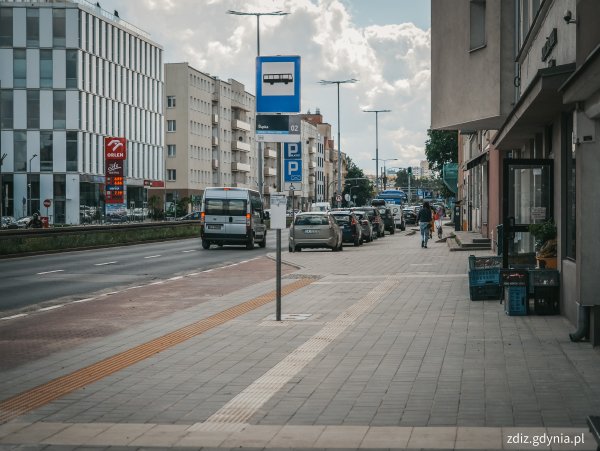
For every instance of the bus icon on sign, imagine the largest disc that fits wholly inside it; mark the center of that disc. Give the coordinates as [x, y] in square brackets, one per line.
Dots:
[278, 78]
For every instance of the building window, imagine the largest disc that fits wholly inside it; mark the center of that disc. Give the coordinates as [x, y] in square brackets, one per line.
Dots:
[46, 68]
[59, 109]
[71, 69]
[20, 146]
[58, 27]
[72, 151]
[171, 175]
[59, 190]
[46, 151]
[33, 27]
[6, 107]
[19, 68]
[171, 150]
[170, 101]
[477, 23]
[6, 27]
[171, 126]
[33, 109]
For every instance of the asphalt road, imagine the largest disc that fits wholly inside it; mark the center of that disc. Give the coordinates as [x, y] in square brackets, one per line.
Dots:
[26, 282]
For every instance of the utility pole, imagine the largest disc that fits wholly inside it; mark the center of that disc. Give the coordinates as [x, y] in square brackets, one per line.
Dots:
[376, 143]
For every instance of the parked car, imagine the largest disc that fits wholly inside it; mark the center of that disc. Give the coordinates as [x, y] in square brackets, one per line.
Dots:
[116, 218]
[375, 218]
[193, 216]
[398, 216]
[23, 221]
[367, 227]
[8, 222]
[350, 226]
[387, 218]
[315, 230]
[410, 217]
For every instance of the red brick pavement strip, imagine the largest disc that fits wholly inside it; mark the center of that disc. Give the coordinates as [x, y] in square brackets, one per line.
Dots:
[42, 333]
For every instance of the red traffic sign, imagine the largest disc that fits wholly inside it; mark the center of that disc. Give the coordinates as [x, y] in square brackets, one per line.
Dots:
[115, 148]
[47, 203]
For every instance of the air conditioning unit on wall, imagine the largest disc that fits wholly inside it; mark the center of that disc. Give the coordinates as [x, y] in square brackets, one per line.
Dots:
[215, 164]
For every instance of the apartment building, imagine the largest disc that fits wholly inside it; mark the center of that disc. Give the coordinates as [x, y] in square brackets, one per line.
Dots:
[71, 74]
[210, 141]
[519, 79]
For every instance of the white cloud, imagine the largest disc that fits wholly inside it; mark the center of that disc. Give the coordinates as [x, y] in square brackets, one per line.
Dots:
[392, 62]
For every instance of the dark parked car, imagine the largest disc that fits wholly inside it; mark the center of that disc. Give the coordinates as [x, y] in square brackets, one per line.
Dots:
[350, 226]
[409, 216]
[387, 218]
[367, 227]
[375, 218]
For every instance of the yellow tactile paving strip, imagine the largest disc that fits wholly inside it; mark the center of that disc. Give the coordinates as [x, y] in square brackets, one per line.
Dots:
[50, 391]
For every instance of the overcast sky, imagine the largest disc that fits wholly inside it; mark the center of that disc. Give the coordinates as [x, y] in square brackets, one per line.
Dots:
[385, 44]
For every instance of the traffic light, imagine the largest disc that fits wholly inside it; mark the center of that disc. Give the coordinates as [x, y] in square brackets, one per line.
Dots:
[409, 171]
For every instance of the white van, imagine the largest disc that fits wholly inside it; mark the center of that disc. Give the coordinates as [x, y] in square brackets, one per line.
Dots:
[232, 216]
[320, 206]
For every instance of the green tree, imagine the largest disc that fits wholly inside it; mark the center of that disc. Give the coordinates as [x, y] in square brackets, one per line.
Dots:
[402, 178]
[357, 184]
[441, 147]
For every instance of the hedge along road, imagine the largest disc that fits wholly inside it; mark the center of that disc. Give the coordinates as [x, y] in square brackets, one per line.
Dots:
[43, 280]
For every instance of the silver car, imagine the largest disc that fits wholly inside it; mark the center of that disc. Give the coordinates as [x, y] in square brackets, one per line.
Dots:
[315, 229]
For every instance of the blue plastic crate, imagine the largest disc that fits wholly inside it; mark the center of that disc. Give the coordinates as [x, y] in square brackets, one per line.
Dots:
[486, 262]
[515, 300]
[480, 277]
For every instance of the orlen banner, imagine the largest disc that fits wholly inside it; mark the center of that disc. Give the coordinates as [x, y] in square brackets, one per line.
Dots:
[115, 152]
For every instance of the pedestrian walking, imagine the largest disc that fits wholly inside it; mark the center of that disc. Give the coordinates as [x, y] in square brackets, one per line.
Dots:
[424, 218]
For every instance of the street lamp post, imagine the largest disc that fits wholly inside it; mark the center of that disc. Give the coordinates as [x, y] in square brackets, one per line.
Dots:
[261, 175]
[384, 171]
[29, 185]
[377, 142]
[338, 82]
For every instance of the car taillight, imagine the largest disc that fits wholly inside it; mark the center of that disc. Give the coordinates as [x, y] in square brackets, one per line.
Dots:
[248, 219]
[202, 218]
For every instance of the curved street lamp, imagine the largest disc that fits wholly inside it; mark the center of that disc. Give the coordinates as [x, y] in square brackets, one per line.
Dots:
[339, 144]
[384, 171]
[376, 142]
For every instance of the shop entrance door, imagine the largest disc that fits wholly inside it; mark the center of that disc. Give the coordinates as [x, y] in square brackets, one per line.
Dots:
[527, 199]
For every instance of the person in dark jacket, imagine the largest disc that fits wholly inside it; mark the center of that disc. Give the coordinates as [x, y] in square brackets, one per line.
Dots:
[35, 222]
[424, 219]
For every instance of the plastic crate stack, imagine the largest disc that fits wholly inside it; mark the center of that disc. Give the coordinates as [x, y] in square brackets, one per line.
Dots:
[484, 278]
[516, 291]
[544, 287]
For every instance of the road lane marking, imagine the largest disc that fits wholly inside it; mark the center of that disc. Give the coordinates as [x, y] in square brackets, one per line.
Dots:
[191, 250]
[107, 263]
[52, 307]
[57, 388]
[50, 272]
[152, 256]
[20, 315]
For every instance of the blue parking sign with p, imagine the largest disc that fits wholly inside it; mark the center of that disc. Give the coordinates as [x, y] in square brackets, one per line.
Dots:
[292, 171]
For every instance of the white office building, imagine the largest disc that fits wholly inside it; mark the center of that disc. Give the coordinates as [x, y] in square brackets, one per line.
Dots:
[71, 74]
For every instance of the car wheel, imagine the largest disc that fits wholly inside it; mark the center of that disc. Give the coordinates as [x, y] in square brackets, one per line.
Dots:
[205, 244]
[250, 243]
[290, 248]
[263, 243]
[402, 227]
[357, 241]
[298, 249]
[393, 230]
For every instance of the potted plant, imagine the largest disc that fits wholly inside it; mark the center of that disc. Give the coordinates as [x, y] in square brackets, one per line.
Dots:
[545, 243]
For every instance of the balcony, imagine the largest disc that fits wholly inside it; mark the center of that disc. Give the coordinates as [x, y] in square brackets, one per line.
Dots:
[240, 167]
[215, 164]
[312, 179]
[312, 165]
[236, 124]
[241, 146]
[215, 141]
[312, 149]
[270, 153]
[215, 118]
[270, 172]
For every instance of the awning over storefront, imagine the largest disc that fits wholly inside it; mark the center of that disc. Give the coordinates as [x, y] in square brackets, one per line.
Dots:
[584, 85]
[537, 107]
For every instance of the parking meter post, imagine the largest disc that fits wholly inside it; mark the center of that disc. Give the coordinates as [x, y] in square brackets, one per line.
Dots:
[278, 244]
